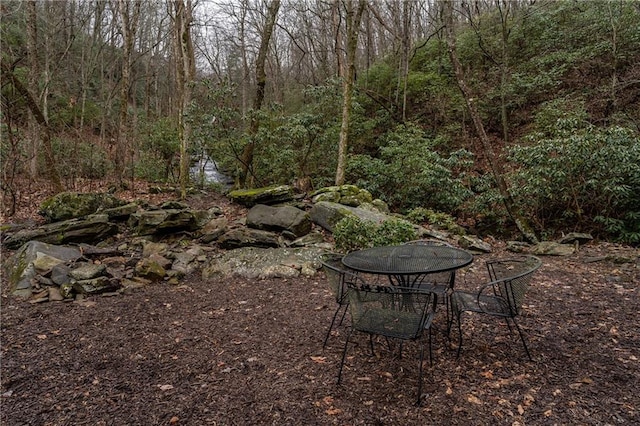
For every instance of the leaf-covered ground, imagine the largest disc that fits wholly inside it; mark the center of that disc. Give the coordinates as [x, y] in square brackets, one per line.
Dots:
[249, 352]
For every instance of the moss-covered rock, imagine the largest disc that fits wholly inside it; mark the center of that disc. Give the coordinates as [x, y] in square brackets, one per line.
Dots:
[69, 205]
[267, 195]
[349, 195]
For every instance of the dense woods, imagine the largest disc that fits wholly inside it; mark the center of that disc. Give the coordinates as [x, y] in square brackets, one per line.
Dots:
[507, 114]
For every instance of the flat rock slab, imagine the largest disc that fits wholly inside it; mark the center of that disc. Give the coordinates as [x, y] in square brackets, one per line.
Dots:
[261, 263]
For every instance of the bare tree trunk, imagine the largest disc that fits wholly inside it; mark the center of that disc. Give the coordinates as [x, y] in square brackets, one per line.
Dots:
[353, 18]
[45, 130]
[494, 164]
[261, 80]
[129, 18]
[34, 76]
[185, 73]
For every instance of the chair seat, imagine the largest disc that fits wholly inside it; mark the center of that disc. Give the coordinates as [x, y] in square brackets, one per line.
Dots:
[470, 302]
[439, 289]
[396, 324]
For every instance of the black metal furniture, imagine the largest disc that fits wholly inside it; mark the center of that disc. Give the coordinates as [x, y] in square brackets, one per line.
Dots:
[395, 312]
[440, 283]
[502, 297]
[335, 272]
[406, 265]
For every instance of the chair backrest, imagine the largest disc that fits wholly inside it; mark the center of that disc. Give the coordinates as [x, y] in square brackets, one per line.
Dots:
[510, 280]
[335, 272]
[430, 242]
[392, 311]
[438, 278]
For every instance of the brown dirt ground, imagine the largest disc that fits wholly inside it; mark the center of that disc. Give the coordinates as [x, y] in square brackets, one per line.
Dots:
[249, 352]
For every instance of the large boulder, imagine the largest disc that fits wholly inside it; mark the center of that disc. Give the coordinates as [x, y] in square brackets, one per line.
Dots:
[551, 248]
[166, 221]
[349, 195]
[247, 237]
[290, 220]
[92, 229]
[70, 205]
[260, 263]
[268, 195]
[326, 214]
[31, 259]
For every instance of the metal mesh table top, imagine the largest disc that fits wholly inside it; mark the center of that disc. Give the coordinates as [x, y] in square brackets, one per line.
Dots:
[407, 259]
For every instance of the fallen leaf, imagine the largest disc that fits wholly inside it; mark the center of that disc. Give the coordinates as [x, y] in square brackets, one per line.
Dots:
[319, 359]
[474, 399]
[174, 420]
[42, 336]
[165, 387]
[520, 409]
[548, 413]
[528, 400]
[333, 411]
[487, 374]
[449, 391]
[328, 400]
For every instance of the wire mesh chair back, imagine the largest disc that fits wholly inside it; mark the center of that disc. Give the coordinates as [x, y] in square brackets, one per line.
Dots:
[502, 297]
[511, 280]
[336, 274]
[404, 313]
[440, 281]
[390, 311]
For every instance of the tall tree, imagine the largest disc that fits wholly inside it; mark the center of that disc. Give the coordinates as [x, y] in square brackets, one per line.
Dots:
[33, 82]
[261, 81]
[129, 16]
[353, 17]
[45, 131]
[470, 101]
[185, 74]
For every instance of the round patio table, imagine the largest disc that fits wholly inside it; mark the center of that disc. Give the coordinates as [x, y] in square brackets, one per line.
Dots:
[406, 264]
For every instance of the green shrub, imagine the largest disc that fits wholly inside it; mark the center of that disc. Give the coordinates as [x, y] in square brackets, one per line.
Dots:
[410, 173]
[159, 151]
[351, 233]
[440, 220]
[151, 166]
[581, 177]
[78, 159]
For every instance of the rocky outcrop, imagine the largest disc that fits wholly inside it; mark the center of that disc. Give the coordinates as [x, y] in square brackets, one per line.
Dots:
[289, 220]
[259, 263]
[268, 195]
[36, 258]
[70, 205]
[91, 229]
[326, 213]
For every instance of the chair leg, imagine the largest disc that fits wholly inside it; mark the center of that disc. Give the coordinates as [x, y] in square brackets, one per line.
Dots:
[344, 355]
[524, 343]
[459, 315]
[344, 313]
[420, 371]
[333, 320]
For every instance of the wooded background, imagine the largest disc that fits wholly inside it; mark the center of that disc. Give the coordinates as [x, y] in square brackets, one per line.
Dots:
[504, 113]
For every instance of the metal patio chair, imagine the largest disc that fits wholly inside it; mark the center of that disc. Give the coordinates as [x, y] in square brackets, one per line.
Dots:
[395, 312]
[502, 297]
[440, 283]
[335, 272]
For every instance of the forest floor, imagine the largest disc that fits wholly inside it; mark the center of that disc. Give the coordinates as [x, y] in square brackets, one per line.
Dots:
[249, 352]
